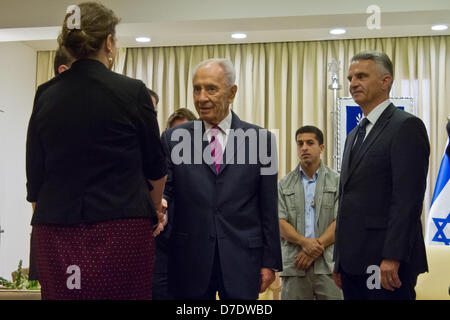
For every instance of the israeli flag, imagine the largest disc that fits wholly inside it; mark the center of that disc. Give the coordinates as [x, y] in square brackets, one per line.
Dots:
[438, 222]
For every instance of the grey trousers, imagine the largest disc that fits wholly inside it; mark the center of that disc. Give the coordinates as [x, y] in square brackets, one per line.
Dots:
[310, 287]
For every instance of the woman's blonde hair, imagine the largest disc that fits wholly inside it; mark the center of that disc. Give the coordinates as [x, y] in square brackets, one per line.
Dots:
[180, 114]
[96, 23]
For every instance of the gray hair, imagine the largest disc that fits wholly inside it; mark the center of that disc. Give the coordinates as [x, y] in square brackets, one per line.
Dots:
[381, 59]
[225, 64]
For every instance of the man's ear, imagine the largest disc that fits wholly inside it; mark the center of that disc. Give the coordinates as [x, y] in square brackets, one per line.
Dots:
[387, 80]
[62, 68]
[233, 90]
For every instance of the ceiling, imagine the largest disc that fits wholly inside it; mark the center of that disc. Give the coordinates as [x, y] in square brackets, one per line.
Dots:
[196, 22]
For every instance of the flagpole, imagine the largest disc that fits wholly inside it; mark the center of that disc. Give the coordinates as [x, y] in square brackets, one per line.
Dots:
[333, 69]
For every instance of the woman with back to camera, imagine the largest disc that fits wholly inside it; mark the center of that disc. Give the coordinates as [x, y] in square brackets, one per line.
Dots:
[93, 145]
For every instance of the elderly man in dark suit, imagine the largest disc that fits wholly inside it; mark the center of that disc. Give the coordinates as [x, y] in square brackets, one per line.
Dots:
[223, 182]
[379, 248]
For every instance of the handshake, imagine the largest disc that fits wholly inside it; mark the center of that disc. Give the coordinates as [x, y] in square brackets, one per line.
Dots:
[162, 218]
[311, 250]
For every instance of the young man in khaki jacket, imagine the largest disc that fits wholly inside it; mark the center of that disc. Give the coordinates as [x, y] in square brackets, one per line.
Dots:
[307, 205]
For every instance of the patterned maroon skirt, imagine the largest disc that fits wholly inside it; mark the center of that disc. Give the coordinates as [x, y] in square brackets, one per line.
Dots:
[107, 260]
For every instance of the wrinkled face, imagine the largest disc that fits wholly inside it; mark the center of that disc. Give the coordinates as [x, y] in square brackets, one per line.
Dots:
[212, 95]
[308, 148]
[368, 86]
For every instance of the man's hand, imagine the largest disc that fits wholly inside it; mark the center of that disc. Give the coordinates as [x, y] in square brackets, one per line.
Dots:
[267, 277]
[313, 247]
[164, 205]
[389, 274]
[162, 219]
[337, 279]
[303, 261]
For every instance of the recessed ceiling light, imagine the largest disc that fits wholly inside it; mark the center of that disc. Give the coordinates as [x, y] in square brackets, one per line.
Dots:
[143, 39]
[338, 31]
[439, 27]
[239, 36]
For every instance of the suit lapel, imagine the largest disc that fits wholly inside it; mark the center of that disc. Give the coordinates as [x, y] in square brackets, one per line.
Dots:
[200, 144]
[346, 157]
[382, 121]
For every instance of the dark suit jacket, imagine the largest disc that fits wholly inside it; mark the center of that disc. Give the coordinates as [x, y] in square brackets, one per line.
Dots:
[93, 140]
[41, 89]
[236, 208]
[32, 272]
[381, 196]
[162, 241]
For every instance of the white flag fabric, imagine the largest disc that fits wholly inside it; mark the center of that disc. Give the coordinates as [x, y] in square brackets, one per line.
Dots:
[438, 222]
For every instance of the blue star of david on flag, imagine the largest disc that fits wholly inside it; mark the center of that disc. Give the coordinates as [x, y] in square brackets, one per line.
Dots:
[439, 215]
[440, 234]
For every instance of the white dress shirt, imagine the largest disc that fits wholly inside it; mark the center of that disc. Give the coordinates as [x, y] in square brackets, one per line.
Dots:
[224, 132]
[375, 114]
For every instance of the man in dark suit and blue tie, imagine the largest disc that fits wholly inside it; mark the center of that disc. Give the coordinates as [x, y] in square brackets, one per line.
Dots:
[225, 233]
[379, 249]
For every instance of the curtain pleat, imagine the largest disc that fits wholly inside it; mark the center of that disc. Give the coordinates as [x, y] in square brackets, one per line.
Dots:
[44, 66]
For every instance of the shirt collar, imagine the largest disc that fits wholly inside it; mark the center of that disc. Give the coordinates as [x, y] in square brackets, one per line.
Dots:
[224, 125]
[305, 176]
[376, 113]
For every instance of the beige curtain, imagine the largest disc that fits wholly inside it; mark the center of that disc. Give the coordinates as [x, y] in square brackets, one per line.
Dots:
[283, 86]
[44, 68]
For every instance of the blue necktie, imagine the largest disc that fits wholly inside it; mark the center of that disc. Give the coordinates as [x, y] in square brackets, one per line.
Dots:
[359, 138]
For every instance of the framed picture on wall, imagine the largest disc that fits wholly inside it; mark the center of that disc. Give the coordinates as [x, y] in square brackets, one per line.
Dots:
[348, 116]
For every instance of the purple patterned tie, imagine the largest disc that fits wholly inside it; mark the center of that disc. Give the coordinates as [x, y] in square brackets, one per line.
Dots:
[216, 148]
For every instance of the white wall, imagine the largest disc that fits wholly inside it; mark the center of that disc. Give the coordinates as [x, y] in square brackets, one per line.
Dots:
[21, 13]
[17, 88]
